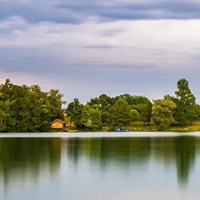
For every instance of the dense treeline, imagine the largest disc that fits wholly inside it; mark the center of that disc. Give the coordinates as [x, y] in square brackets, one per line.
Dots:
[109, 111]
[123, 110]
[28, 109]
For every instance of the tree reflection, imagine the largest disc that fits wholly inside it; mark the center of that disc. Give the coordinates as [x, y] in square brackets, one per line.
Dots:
[176, 150]
[185, 157]
[27, 157]
[105, 151]
[171, 151]
[33, 157]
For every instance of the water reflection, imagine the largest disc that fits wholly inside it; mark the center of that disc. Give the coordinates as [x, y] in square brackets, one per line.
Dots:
[185, 157]
[179, 151]
[26, 159]
[106, 150]
[40, 161]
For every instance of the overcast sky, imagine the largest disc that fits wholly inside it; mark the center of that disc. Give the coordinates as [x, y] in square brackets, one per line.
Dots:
[86, 48]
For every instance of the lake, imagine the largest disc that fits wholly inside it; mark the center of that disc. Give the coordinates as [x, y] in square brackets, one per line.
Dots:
[107, 168]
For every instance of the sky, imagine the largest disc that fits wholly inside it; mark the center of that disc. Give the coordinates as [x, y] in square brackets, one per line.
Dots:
[86, 48]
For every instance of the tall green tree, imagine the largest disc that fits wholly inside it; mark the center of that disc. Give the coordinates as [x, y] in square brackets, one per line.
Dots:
[91, 117]
[120, 114]
[74, 112]
[144, 107]
[186, 111]
[55, 103]
[162, 113]
[104, 103]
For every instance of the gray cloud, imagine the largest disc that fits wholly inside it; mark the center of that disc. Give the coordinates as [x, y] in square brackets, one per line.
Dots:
[35, 61]
[35, 13]
[137, 57]
[132, 10]
[60, 11]
[87, 80]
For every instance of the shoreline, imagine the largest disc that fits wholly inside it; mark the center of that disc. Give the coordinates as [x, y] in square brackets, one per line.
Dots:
[98, 134]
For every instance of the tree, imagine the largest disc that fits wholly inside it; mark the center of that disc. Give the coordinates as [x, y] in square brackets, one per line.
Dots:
[141, 104]
[105, 114]
[135, 115]
[28, 109]
[162, 113]
[120, 114]
[74, 112]
[104, 103]
[55, 100]
[144, 107]
[186, 104]
[91, 117]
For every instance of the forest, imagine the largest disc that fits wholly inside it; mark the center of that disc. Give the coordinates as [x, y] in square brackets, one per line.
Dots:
[29, 109]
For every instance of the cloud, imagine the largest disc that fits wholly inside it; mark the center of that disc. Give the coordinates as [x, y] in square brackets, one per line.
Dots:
[163, 44]
[134, 10]
[91, 47]
[38, 11]
[79, 11]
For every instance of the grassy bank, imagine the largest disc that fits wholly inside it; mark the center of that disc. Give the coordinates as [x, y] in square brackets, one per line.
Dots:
[140, 127]
[192, 127]
[150, 128]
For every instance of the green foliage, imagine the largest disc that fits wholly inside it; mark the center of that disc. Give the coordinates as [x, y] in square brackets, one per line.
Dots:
[91, 117]
[120, 114]
[144, 107]
[162, 113]
[104, 103]
[74, 112]
[135, 115]
[28, 109]
[139, 103]
[187, 109]
[140, 106]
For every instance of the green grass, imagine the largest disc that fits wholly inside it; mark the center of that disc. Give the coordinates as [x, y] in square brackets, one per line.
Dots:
[141, 127]
[149, 128]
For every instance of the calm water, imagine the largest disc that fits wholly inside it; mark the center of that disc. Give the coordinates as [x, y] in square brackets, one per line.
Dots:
[100, 168]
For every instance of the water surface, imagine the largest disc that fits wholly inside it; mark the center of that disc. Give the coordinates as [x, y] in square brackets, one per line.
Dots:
[100, 168]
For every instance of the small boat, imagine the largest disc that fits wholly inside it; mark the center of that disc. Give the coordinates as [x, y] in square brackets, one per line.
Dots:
[121, 130]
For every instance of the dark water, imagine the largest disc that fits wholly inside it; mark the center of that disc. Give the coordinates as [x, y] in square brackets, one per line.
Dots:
[100, 169]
